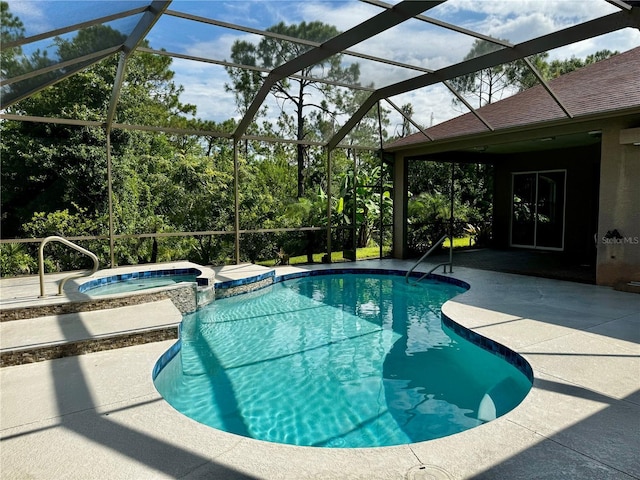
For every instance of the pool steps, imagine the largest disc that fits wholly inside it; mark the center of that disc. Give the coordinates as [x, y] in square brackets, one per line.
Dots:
[30, 327]
[54, 336]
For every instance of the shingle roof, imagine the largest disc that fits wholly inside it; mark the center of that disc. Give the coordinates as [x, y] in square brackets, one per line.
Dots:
[605, 86]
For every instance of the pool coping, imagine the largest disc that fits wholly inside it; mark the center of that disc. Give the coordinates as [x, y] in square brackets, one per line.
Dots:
[579, 421]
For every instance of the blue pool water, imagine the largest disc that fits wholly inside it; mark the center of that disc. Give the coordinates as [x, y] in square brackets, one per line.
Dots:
[135, 284]
[341, 360]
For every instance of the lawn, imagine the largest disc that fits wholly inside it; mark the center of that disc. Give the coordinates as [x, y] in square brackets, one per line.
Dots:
[459, 242]
[362, 253]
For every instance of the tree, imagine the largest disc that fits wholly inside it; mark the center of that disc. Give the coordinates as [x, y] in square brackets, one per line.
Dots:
[489, 84]
[360, 203]
[13, 62]
[11, 29]
[49, 167]
[430, 201]
[561, 67]
[485, 85]
[407, 110]
[270, 53]
[522, 77]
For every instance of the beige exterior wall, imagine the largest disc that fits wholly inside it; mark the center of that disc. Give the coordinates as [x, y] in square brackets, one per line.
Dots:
[618, 260]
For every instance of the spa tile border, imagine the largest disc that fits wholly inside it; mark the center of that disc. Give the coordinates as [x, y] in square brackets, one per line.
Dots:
[372, 271]
[201, 280]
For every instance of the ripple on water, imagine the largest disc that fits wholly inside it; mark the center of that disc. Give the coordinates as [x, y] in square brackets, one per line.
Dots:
[334, 361]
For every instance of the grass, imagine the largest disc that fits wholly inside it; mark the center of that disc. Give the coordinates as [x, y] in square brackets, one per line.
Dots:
[459, 242]
[362, 253]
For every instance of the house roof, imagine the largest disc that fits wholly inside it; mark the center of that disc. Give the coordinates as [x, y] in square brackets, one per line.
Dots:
[607, 86]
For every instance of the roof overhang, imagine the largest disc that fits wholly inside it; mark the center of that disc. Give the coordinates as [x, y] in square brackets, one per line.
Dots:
[562, 133]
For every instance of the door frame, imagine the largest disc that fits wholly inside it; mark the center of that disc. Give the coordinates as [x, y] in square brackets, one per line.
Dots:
[535, 225]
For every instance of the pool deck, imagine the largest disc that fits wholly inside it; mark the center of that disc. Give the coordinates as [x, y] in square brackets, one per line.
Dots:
[99, 416]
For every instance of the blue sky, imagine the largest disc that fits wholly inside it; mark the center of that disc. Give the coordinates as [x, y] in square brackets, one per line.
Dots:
[413, 42]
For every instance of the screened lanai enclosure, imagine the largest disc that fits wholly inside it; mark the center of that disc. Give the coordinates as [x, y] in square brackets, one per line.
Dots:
[232, 131]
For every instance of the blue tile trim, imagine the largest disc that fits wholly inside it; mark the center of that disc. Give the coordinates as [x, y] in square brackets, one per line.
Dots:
[98, 282]
[489, 345]
[370, 271]
[244, 281]
[166, 358]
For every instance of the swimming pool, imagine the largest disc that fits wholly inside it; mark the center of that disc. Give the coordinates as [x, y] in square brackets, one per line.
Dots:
[337, 360]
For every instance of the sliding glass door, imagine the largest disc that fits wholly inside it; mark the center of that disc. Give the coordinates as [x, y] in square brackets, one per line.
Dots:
[537, 209]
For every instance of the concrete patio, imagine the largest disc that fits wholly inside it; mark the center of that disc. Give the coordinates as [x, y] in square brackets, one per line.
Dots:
[99, 415]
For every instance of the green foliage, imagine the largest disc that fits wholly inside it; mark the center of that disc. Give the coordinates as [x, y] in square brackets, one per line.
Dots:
[66, 223]
[361, 254]
[429, 206]
[15, 259]
[49, 167]
[11, 29]
[165, 183]
[309, 120]
[360, 203]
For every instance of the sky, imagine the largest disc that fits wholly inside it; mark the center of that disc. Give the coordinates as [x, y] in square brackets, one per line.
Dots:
[414, 42]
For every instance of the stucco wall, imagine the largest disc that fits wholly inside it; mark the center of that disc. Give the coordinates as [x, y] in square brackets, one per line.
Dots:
[400, 176]
[618, 260]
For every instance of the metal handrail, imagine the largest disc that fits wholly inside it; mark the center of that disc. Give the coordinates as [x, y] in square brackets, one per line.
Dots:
[55, 238]
[433, 247]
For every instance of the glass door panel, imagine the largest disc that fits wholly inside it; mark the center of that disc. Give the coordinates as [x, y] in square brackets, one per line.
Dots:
[537, 218]
[524, 209]
[550, 211]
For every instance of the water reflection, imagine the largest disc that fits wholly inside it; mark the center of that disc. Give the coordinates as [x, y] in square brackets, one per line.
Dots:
[336, 360]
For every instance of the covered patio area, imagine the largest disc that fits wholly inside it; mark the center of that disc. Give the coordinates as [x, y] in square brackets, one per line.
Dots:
[540, 263]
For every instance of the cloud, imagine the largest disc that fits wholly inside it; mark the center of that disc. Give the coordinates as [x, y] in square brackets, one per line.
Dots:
[622, 40]
[578, 10]
[204, 87]
[32, 15]
[431, 105]
[413, 42]
[218, 48]
[343, 16]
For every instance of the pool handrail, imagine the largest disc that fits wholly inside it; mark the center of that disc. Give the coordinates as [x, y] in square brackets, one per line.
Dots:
[55, 238]
[433, 247]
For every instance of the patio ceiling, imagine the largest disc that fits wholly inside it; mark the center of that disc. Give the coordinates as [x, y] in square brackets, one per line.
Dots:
[143, 20]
